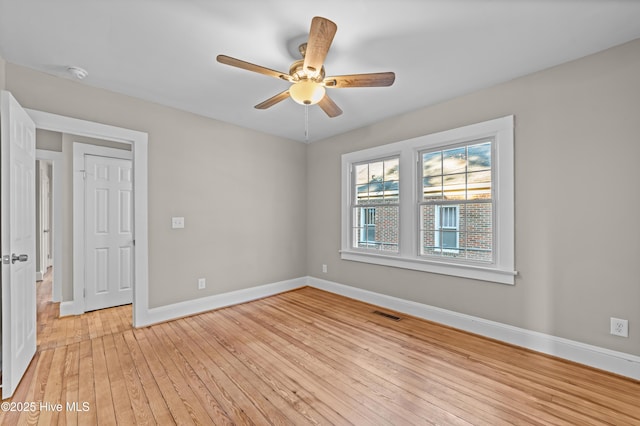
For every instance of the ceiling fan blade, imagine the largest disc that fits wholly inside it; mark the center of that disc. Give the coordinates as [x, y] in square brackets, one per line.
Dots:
[320, 38]
[228, 60]
[329, 107]
[380, 79]
[273, 100]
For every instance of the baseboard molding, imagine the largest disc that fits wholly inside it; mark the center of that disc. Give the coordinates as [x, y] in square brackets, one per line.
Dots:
[604, 359]
[192, 307]
[70, 308]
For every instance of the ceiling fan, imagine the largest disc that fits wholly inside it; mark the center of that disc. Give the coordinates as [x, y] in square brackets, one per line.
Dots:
[307, 75]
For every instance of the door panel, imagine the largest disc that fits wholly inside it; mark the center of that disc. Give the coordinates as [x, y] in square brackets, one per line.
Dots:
[18, 220]
[109, 233]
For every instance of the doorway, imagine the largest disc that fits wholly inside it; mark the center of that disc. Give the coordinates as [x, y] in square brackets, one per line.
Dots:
[138, 142]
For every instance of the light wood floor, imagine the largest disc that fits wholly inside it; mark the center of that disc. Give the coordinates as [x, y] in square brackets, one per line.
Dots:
[303, 357]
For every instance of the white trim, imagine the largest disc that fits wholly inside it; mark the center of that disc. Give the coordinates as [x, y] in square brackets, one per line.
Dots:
[56, 225]
[463, 270]
[502, 270]
[605, 359]
[70, 307]
[80, 150]
[139, 142]
[196, 306]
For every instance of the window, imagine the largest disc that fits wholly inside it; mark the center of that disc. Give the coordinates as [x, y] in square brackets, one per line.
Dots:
[456, 206]
[375, 205]
[440, 203]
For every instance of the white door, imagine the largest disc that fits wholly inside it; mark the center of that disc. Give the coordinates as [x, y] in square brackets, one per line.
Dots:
[18, 219]
[108, 232]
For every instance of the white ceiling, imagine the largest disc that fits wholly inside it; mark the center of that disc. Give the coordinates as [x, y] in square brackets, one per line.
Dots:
[164, 50]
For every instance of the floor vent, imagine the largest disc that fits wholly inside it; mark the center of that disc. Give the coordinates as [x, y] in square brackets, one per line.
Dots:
[386, 315]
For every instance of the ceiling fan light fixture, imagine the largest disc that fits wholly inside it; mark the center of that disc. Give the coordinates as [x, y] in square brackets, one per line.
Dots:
[307, 92]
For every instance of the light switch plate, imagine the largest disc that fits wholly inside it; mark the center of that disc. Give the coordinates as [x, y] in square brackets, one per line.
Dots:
[177, 222]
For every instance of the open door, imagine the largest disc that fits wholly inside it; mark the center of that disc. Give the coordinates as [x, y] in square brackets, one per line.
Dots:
[17, 235]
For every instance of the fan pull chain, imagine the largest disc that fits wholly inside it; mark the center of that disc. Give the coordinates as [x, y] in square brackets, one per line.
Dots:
[306, 123]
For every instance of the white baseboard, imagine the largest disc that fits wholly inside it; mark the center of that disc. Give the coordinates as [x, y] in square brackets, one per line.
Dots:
[192, 307]
[70, 308]
[605, 359]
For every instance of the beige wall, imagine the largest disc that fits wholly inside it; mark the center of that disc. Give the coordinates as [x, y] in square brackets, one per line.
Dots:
[2, 73]
[241, 192]
[577, 202]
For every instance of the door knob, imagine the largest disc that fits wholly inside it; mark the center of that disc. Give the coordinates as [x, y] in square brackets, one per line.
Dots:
[19, 258]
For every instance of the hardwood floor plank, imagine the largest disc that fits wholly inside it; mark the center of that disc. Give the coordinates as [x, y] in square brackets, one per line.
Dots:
[377, 370]
[279, 402]
[70, 384]
[105, 410]
[119, 393]
[138, 401]
[253, 395]
[221, 388]
[86, 385]
[364, 406]
[298, 389]
[154, 396]
[180, 412]
[193, 392]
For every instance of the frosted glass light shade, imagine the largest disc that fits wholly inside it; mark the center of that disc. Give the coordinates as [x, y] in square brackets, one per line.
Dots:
[306, 92]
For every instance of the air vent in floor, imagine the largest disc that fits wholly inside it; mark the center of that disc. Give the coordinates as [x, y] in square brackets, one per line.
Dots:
[386, 315]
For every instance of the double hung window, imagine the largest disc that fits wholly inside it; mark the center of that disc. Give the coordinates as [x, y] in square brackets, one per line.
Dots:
[375, 205]
[456, 205]
[439, 203]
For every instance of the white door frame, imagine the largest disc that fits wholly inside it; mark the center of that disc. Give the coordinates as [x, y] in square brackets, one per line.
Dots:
[56, 218]
[139, 142]
[79, 208]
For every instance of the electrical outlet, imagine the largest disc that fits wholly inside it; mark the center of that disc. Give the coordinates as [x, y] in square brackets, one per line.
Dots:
[619, 327]
[324, 268]
[202, 283]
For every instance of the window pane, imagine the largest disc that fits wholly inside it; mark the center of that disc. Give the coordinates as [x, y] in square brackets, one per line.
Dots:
[462, 231]
[479, 157]
[362, 174]
[376, 171]
[479, 185]
[391, 169]
[454, 161]
[432, 187]
[479, 246]
[478, 217]
[432, 163]
[376, 228]
[454, 187]
[377, 181]
[391, 190]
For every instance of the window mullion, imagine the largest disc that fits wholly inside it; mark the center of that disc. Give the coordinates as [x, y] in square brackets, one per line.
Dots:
[408, 198]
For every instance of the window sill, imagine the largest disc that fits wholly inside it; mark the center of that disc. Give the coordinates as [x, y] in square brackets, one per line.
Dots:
[457, 270]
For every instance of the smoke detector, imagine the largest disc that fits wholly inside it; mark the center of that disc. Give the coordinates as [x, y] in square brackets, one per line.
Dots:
[77, 72]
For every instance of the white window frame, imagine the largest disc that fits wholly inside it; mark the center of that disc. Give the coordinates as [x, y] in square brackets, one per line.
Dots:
[501, 270]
